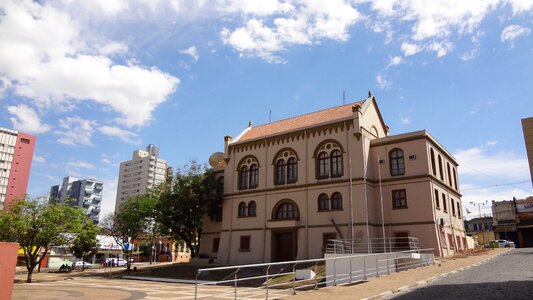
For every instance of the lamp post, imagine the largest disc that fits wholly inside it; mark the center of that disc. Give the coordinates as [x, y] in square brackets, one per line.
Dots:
[480, 219]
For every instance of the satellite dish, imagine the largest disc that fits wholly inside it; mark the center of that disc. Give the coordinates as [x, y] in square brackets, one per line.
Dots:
[215, 159]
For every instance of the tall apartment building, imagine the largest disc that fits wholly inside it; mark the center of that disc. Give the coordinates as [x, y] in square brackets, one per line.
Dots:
[16, 155]
[527, 127]
[144, 171]
[85, 193]
[292, 186]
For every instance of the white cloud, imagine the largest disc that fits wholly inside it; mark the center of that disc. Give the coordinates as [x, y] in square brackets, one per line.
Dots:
[298, 23]
[511, 32]
[394, 61]
[113, 48]
[80, 165]
[471, 54]
[192, 52]
[44, 57]
[442, 48]
[405, 120]
[109, 195]
[498, 167]
[124, 135]
[492, 143]
[409, 49]
[25, 119]
[39, 159]
[382, 83]
[75, 131]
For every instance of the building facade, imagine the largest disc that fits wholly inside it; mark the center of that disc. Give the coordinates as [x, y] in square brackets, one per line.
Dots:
[16, 155]
[144, 171]
[85, 193]
[291, 185]
[527, 127]
[505, 221]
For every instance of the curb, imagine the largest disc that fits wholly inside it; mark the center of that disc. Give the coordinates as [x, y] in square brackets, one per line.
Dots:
[387, 294]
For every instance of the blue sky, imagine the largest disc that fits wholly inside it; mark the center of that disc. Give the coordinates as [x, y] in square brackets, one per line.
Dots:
[95, 80]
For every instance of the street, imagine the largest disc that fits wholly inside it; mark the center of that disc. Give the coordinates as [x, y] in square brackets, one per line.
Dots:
[508, 276]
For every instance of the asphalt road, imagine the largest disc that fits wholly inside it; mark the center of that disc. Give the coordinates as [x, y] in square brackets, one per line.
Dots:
[508, 276]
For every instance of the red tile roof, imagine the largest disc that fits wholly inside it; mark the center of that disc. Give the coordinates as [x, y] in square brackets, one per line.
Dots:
[290, 124]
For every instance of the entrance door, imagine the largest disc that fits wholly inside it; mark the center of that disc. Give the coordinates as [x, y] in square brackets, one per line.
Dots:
[284, 246]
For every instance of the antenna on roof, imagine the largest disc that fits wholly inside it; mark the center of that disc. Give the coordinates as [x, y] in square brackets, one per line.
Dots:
[269, 116]
[343, 97]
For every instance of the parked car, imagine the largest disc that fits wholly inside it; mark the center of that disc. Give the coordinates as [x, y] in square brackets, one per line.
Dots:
[115, 262]
[503, 243]
[82, 264]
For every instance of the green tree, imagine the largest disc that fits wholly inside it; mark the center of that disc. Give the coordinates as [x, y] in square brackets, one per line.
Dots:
[85, 242]
[180, 211]
[131, 221]
[37, 226]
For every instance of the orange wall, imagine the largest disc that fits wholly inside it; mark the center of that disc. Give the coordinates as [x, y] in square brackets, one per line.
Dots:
[8, 262]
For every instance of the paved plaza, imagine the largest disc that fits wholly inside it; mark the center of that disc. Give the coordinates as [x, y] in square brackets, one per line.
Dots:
[80, 286]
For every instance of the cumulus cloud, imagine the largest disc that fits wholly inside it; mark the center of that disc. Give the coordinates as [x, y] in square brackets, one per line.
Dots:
[296, 23]
[113, 48]
[75, 131]
[405, 120]
[498, 166]
[192, 52]
[382, 83]
[25, 119]
[39, 159]
[409, 49]
[124, 135]
[59, 65]
[80, 164]
[394, 61]
[511, 32]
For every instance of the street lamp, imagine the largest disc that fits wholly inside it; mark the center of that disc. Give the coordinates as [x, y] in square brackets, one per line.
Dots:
[480, 220]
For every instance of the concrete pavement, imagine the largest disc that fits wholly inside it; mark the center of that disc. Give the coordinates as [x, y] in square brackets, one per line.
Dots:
[64, 286]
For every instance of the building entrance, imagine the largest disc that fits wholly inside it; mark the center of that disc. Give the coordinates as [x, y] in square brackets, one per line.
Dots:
[284, 246]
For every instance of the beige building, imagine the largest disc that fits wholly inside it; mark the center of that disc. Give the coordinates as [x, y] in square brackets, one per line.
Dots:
[527, 127]
[136, 176]
[291, 185]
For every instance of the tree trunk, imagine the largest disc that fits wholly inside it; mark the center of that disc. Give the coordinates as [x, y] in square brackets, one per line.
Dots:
[30, 273]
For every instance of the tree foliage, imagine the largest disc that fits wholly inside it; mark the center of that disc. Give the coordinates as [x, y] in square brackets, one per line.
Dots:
[84, 244]
[180, 211]
[37, 226]
[132, 220]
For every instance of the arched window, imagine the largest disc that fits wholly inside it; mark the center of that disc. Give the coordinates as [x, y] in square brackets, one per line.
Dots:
[323, 165]
[397, 166]
[336, 201]
[449, 174]
[286, 211]
[243, 178]
[254, 176]
[280, 172]
[292, 170]
[323, 202]
[433, 168]
[336, 163]
[252, 208]
[242, 209]
[441, 172]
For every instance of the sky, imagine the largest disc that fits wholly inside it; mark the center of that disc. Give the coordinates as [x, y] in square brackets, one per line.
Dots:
[95, 80]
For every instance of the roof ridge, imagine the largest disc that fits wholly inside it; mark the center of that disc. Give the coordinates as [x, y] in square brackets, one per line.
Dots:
[313, 112]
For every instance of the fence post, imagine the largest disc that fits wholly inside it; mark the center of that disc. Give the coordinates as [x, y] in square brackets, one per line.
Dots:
[316, 275]
[351, 270]
[387, 260]
[364, 267]
[335, 272]
[377, 266]
[268, 268]
[235, 284]
[294, 279]
[196, 285]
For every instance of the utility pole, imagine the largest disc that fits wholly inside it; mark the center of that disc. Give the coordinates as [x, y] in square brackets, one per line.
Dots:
[480, 219]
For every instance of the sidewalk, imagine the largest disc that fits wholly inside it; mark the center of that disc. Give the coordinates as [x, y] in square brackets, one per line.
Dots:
[376, 288]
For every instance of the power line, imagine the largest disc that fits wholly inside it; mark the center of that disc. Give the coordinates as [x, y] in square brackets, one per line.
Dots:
[497, 179]
[496, 185]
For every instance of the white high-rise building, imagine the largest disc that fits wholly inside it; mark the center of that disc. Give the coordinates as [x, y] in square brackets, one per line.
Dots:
[86, 194]
[144, 171]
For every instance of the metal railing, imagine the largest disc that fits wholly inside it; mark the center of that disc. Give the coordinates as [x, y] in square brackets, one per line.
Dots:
[374, 245]
[278, 280]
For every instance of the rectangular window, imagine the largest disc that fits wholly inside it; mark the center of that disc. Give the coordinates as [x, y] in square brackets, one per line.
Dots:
[216, 242]
[444, 204]
[24, 141]
[437, 202]
[399, 199]
[326, 237]
[450, 240]
[452, 205]
[244, 243]
[459, 209]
